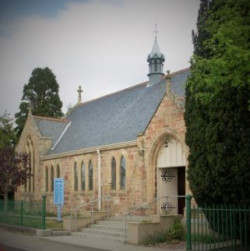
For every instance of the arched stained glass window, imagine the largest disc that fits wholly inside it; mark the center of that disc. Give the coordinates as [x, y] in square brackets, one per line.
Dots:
[122, 173]
[90, 176]
[113, 174]
[52, 179]
[58, 171]
[46, 179]
[75, 177]
[83, 177]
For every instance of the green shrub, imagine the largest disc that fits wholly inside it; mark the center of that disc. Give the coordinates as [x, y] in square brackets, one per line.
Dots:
[175, 233]
[156, 237]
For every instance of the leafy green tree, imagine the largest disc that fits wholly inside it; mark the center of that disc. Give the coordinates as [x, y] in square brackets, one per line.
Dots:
[7, 132]
[201, 34]
[14, 169]
[42, 94]
[218, 104]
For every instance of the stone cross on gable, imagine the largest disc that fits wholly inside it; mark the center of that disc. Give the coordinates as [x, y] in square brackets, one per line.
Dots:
[79, 95]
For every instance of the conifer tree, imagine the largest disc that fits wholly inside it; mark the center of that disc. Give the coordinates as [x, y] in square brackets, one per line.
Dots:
[7, 132]
[42, 94]
[218, 104]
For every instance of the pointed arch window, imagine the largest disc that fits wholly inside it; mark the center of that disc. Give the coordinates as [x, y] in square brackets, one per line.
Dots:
[122, 173]
[113, 174]
[83, 177]
[30, 181]
[58, 171]
[75, 177]
[52, 179]
[46, 179]
[30, 171]
[90, 176]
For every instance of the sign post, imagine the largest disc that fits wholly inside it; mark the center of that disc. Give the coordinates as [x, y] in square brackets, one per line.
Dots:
[58, 195]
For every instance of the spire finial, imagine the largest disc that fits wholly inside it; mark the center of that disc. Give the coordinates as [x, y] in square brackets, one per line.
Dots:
[156, 30]
[168, 75]
[168, 82]
[29, 107]
[79, 95]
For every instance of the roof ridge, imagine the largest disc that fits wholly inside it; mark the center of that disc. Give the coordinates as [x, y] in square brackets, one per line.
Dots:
[180, 71]
[113, 93]
[52, 119]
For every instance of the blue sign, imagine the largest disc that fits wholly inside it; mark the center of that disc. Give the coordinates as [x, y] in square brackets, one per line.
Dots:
[58, 191]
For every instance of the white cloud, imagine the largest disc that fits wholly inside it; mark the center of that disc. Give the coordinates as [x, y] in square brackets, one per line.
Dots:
[102, 45]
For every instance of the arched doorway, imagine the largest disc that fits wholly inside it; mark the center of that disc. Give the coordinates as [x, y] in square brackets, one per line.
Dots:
[171, 176]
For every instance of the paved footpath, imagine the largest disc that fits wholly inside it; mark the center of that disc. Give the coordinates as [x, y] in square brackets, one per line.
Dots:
[21, 242]
[104, 244]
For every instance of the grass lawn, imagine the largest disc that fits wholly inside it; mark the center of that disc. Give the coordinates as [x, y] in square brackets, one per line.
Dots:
[53, 224]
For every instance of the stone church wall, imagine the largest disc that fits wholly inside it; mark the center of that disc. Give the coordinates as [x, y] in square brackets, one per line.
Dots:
[121, 200]
[168, 121]
[140, 157]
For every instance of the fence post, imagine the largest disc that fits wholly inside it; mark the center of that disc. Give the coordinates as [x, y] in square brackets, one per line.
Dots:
[188, 222]
[21, 212]
[43, 211]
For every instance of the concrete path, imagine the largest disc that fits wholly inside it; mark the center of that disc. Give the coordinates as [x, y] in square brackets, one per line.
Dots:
[103, 244]
[17, 241]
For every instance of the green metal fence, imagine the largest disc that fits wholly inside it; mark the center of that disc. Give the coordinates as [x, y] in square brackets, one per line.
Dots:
[24, 213]
[224, 227]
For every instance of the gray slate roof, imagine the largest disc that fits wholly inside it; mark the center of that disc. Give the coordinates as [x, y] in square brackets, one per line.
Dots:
[114, 118]
[178, 80]
[51, 128]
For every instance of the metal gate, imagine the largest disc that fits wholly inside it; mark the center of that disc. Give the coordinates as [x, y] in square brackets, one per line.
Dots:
[223, 227]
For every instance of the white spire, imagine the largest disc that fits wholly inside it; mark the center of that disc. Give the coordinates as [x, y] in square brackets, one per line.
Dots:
[156, 49]
[156, 53]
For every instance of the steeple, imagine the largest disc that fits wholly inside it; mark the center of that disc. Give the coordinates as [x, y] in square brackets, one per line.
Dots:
[155, 62]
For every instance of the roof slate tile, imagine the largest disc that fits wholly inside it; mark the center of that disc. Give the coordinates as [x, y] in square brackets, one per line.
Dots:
[115, 118]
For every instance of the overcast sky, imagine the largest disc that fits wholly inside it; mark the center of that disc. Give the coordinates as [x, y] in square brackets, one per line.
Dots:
[101, 45]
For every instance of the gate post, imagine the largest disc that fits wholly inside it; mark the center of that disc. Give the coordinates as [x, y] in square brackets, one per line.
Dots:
[188, 223]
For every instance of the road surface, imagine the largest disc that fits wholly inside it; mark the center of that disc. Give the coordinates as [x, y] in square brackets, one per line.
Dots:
[10, 241]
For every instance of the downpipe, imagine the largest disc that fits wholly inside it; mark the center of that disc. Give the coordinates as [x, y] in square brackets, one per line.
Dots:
[99, 180]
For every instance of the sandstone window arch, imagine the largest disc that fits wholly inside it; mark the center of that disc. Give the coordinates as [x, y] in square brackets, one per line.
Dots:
[58, 174]
[52, 179]
[83, 176]
[90, 178]
[46, 179]
[122, 173]
[75, 177]
[30, 182]
[113, 174]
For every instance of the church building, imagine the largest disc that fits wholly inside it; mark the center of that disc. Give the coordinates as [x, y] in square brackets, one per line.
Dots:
[129, 145]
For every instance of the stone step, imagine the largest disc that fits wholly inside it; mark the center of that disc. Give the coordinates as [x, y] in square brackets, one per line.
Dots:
[96, 236]
[129, 218]
[110, 228]
[111, 223]
[60, 233]
[106, 232]
[119, 228]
